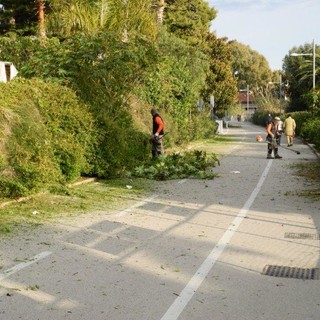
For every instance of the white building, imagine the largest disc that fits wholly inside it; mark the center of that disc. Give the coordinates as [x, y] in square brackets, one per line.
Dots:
[7, 71]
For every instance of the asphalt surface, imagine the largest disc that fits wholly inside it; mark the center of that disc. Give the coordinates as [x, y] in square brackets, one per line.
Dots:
[193, 249]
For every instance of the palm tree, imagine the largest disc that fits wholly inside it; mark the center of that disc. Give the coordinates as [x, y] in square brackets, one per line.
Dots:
[131, 17]
[41, 17]
[124, 17]
[160, 11]
[71, 16]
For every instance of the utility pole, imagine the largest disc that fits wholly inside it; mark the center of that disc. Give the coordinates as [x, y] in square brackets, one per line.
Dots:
[248, 97]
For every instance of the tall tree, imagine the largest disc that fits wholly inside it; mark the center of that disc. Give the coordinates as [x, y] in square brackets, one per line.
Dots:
[131, 17]
[189, 19]
[122, 17]
[22, 16]
[299, 73]
[221, 82]
[41, 17]
[250, 67]
[72, 16]
[160, 10]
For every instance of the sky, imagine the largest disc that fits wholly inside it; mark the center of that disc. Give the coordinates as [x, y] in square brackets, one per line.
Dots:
[270, 27]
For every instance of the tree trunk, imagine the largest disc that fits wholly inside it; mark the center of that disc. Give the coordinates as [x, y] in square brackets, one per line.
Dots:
[160, 11]
[125, 36]
[41, 17]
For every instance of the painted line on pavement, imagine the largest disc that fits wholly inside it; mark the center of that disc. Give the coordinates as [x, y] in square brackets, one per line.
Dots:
[187, 293]
[139, 204]
[23, 265]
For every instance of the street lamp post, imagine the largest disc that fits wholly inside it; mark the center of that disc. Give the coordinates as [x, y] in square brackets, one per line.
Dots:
[248, 98]
[280, 85]
[313, 54]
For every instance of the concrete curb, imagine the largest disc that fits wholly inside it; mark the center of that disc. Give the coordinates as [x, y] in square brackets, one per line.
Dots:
[314, 150]
[312, 147]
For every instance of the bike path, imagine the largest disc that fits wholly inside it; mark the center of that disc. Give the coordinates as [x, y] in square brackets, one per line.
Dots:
[194, 249]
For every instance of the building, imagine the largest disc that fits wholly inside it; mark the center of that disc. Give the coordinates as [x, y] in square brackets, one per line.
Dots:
[247, 101]
[7, 71]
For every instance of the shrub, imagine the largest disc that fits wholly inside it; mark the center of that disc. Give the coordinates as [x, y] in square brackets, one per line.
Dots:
[118, 147]
[45, 133]
[311, 132]
[178, 166]
[301, 118]
[201, 127]
[70, 126]
[259, 118]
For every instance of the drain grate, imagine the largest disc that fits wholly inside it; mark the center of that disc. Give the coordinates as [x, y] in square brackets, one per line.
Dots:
[310, 236]
[291, 272]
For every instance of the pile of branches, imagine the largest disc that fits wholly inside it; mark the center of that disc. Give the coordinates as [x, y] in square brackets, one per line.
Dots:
[193, 164]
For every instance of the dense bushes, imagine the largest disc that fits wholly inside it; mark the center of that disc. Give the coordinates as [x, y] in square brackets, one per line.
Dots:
[195, 164]
[45, 134]
[311, 132]
[174, 86]
[100, 68]
[117, 147]
[48, 136]
[84, 106]
[259, 118]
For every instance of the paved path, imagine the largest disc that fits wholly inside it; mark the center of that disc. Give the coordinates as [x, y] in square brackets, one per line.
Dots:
[192, 250]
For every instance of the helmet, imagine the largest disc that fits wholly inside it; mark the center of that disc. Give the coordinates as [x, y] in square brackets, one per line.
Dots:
[259, 138]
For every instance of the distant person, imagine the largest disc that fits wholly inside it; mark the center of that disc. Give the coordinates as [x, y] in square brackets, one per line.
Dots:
[280, 129]
[157, 134]
[273, 139]
[289, 127]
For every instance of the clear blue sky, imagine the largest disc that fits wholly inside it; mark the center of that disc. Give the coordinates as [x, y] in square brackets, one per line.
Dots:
[271, 27]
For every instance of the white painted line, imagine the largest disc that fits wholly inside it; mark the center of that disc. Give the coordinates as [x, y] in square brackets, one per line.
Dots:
[182, 181]
[139, 204]
[186, 294]
[23, 265]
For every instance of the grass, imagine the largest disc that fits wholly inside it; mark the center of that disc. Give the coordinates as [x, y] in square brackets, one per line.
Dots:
[65, 202]
[311, 172]
[68, 202]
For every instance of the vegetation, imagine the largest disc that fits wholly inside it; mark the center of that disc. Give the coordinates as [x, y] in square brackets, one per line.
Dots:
[19, 16]
[69, 202]
[221, 83]
[250, 68]
[194, 164]
[45, 136]
[310, 171]
[90, 70]
[298, 72]
[311, 133]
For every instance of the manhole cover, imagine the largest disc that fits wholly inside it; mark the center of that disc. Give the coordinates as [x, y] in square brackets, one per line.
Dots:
[310, 236]
[291, 272]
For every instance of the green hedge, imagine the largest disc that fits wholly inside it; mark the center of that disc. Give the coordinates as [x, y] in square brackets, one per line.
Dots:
[45, 135]
[311, 132]
[118, 147]
[259, 118]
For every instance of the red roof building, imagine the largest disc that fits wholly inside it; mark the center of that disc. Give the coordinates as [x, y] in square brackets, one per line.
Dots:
[247, 101]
